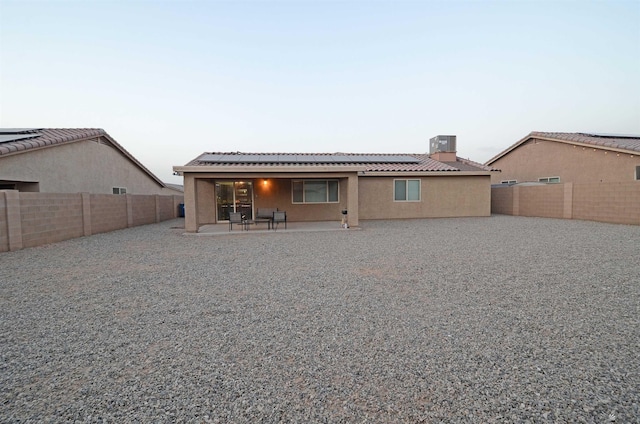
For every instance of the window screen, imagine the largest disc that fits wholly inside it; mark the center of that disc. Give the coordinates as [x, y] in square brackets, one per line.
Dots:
[315, 191]
[406, 190]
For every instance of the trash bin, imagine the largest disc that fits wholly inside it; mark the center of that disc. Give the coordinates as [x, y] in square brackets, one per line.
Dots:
[181, 210]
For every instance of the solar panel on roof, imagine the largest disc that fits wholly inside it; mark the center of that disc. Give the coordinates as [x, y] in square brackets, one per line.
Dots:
[306, 158]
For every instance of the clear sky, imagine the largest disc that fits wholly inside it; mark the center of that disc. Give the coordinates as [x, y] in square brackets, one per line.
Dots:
[172, 79]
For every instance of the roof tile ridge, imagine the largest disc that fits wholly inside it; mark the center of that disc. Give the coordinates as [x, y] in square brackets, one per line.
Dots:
[468, 161]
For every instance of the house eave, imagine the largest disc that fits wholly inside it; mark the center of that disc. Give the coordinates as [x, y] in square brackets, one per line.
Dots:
[534, 136]
[133, 160]
[423, 173]
[297, 171]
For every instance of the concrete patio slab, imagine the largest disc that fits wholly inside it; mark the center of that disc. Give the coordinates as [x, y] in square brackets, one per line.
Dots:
[261, 228]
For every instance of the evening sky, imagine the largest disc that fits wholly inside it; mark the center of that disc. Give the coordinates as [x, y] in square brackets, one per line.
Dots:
[172, 79]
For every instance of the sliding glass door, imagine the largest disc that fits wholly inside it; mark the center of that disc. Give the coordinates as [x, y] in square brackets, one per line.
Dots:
[234, 196]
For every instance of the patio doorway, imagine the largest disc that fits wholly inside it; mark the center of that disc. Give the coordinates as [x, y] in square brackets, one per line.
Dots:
[234, 196]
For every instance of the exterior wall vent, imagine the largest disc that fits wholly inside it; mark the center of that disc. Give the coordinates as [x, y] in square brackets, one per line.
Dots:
[442, 143]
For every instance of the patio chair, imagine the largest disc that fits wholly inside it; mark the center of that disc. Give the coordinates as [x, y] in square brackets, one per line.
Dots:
[235, 218]
[265, 215]
[279, 216]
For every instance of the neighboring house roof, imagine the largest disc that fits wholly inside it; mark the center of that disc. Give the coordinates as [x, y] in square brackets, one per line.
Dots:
[21, 140]
[369, 162]
[616, 142]
[178, 187]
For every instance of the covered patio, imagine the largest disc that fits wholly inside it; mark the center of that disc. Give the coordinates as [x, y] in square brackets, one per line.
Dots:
[211, 197]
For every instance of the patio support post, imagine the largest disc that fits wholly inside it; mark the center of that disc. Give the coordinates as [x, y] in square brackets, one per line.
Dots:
[352, 200]
[190, 204]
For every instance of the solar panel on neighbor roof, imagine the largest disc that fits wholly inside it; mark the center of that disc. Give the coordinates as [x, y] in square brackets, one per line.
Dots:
[606, 135]
[306, 158]
[5, 138]
[17, 130]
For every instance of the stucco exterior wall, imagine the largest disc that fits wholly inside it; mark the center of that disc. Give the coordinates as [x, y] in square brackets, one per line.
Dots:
[83, 166]
[205, 195]
[364, 197]
[540, 158]
[278, 194]
[441, 196]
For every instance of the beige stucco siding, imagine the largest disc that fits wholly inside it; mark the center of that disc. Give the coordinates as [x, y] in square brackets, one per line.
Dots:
[281, 198]
[83, 166]
[363, 196]
[441, 196]
[276, 193]
[541, 158]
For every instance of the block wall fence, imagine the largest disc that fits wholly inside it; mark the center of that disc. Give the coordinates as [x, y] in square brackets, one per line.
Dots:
[34, 219]
[617, 203]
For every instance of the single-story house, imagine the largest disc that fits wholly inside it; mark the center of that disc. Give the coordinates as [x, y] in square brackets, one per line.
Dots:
[559, 157]
[73, 160]
[319, 187]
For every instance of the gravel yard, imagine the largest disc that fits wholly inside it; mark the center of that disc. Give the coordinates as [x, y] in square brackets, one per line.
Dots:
[501, 319]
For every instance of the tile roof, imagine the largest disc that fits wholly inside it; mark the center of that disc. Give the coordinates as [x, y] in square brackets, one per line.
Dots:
[629, 143]
[368, 162]
[20, 140]
[626, 142]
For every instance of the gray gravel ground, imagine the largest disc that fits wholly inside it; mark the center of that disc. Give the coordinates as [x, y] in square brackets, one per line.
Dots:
[501, 319]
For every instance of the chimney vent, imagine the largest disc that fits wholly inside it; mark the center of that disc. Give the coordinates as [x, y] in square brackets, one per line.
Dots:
[442, 143]
[443, 148]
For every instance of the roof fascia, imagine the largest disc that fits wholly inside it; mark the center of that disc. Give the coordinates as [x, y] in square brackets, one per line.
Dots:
[558, 140]
[509, 149]
[423, 173]
[589, 146]
[90, 138]
[47, 146]
[287, 175]
[132, 159]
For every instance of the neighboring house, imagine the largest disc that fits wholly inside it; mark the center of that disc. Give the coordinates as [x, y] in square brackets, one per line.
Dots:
[552, 157]
[72, 161]
[318, 187]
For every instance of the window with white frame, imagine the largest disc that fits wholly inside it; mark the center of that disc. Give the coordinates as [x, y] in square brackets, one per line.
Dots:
[638, 173]
[406, 190]
[314, 191]
[119, 190]
[549, 180]
[509, 182]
